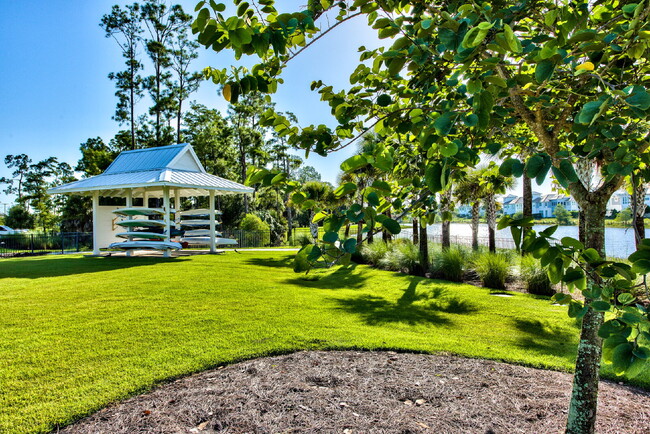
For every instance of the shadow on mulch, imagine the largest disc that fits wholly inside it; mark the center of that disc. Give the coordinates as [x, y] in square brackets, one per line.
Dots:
[355, 392]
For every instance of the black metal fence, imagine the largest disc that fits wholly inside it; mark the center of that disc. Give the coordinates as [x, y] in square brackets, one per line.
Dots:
[42, 244]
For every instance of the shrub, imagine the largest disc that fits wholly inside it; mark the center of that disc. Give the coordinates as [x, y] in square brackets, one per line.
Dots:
[256, 232]
[372, 253]
[303, 239]
[449, 264]
[402, 255]
[493, 269]
[535, 277]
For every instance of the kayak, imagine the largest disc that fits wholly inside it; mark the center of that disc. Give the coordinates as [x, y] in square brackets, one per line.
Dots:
[197, 222]
[145, 235]
[199, 212]
[206, 241]
[200, 233]
[153, 245]
[142, 223]
[139, 211]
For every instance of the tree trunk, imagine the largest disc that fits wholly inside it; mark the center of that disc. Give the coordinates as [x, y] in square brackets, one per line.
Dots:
[528, 203]
[638, 210]
[584, 397]
[290, 224]
[527, 197]
[371, 236]
[581, 226]
[491, 217]
[132, 100]
[416, 230]
[424, 248]
[476, 215]
[178, 119]
[347, 231]
[446, 238]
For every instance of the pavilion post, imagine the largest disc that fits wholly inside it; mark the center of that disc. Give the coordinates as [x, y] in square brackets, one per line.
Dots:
[177, 208]
[129, 204]
[167, 210]
[95, 222]
[213, 241]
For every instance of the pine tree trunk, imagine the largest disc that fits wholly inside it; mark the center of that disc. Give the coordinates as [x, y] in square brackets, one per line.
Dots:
[416, 230]
[476, 215]
[584, 397]
[132, 100]
[424, 248]
[290, 224]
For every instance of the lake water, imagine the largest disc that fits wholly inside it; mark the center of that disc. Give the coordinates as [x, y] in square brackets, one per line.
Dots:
[619, 242]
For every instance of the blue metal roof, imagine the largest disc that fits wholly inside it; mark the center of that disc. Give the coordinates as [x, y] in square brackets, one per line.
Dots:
[141, 160]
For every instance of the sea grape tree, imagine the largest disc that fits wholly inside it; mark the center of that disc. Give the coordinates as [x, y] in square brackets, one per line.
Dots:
[451, 78]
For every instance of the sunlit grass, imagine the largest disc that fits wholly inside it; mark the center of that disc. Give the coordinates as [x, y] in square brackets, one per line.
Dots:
[77, 333]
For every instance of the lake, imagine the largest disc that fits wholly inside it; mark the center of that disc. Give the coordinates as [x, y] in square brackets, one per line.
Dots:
[619, 242]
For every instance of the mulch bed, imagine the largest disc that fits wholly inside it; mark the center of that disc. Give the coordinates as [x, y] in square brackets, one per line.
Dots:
[356, 392]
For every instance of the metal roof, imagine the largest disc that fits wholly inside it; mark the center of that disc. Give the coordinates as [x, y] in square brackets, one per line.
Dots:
[150, 170]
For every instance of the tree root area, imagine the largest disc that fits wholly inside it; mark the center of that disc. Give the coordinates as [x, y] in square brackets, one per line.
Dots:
[360, 392]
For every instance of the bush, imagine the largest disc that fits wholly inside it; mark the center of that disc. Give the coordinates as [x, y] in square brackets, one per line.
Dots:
[535, 277]
[493, 269]
[449, 264]
[19, 217]
[402, 255]
[303, 239]
[256, 232]
[374, 252]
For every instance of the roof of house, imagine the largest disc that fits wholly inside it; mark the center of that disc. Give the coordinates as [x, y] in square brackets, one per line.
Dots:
[150, 170]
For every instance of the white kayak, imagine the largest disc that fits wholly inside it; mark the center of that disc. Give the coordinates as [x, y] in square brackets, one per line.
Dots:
[144, 235]
[141, 223]
[199, 212]
[200, 233]
[206, 241]
[139, 211]
[197, 222]
[153, 245]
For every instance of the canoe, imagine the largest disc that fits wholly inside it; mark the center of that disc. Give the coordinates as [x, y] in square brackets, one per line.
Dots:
[199, 212]
[206, 241]
[200, 233]
[197, 222]
[151, 245]
[141, 223]
[139, 211]
[144, 235]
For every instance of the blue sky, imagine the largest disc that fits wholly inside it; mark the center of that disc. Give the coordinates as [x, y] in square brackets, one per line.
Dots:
[55, 92]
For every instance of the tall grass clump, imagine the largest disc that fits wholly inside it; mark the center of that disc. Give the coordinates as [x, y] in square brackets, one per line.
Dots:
[450, 264]
[493, 269]
[402, 255]
[374, 252]
[535, 277]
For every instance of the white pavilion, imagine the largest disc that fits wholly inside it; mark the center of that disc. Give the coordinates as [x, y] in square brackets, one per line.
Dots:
[167, 172]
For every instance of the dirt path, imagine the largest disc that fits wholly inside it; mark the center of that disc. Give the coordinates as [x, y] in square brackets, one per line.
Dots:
[359, 392]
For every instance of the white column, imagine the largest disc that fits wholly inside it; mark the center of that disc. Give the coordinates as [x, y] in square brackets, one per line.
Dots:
[166, 209]
[213, 245]
[95, 222]
[177, 208]
[129, 204]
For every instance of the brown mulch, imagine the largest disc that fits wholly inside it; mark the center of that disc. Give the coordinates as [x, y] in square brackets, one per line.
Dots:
[358, 392]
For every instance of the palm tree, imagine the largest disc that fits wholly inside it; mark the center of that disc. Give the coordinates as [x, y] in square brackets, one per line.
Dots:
[321, 194]
[493, 183]
[469, 190]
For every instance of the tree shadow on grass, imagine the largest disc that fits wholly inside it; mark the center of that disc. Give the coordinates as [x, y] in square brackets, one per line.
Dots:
[285, 261]
[48, 266]
[546, 338]
[426, 306]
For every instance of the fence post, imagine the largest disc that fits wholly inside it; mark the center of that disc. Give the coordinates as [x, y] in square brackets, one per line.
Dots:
[76, 241]
[62, 243]
[32, 242]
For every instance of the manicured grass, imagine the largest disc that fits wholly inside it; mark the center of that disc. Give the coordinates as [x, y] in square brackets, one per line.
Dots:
[78, 333]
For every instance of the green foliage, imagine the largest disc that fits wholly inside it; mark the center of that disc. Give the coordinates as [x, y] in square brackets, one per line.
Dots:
[254, 224]
[18, 217]
[535, 277]
[562, 216]
[624, 217]
[402, 256]
[450, 264]
[493, 269]
[373, 253]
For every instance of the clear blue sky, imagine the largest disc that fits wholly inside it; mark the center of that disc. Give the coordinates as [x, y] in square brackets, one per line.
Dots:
[55, 92]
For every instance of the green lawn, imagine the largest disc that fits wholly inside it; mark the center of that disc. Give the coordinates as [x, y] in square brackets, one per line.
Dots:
[78, 333]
